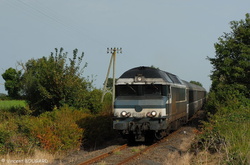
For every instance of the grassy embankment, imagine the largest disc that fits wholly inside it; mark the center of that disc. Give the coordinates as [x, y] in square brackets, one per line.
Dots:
[8, 104]
[225, 137]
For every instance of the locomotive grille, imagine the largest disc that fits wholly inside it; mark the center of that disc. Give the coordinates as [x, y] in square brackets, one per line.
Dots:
[138, 115]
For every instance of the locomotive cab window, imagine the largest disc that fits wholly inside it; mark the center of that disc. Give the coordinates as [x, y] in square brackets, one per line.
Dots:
[152, 89]
[127, 90]
[140, 90]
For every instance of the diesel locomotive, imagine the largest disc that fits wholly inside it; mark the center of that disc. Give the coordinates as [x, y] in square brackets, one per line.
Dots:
[149, 103]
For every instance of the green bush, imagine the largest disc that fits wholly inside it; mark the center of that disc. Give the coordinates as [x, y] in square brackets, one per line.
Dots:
[54, 81]
[57, 130]
[11, 140]
[228, 130]
[229, 96]
[20, 110]
[94, 101]
[3, 96]
[60, 130]
[97, 129]
[4, 136]
[54, 131]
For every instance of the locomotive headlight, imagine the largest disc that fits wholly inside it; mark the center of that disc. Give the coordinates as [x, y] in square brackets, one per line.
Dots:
[123, 113]
[153, 113]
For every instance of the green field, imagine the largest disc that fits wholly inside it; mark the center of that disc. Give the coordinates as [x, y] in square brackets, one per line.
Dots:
[6, 104]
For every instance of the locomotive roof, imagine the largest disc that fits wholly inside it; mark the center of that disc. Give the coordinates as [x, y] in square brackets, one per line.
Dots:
[193, 86]
[149, 72]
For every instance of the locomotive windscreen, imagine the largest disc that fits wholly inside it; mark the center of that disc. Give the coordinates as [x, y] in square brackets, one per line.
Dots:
[138, 90]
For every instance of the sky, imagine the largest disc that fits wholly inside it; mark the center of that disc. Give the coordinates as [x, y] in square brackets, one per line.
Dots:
[176, 36]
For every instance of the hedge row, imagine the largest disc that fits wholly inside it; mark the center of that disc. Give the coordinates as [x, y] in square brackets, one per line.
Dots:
[61, 130]
[227, 131]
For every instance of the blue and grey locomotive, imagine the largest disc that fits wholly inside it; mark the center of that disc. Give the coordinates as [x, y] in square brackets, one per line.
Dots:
[151, 102]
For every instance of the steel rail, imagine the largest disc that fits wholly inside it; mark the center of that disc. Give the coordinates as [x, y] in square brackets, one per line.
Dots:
[148, 148]
[136, 155]
[100, 157]
[126, 160]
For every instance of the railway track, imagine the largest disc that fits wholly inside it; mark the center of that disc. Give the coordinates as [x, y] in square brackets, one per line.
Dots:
[176, 145]
[124, 154]
[102, 156]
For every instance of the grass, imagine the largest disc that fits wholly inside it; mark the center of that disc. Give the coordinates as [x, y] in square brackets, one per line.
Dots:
[174, 158]
[138, 149]
[7, 104]
[117, 153]
[226, 135]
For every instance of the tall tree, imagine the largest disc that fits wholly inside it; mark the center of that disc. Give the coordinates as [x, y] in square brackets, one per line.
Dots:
[50, 82]
[231, 65]
[12, 82]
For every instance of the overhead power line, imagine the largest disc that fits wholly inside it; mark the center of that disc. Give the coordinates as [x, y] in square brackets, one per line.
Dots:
[39, 10]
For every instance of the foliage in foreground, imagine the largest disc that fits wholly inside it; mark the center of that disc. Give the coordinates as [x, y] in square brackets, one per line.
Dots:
[53, 131]
[59, 131]
[227, 131]
[62, 110]
[97, 129]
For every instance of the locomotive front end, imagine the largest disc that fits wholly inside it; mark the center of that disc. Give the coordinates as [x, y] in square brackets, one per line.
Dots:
[150, 103]
[140, 107]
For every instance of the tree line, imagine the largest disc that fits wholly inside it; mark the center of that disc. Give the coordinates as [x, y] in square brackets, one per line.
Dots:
[51, 82]
[228, 106]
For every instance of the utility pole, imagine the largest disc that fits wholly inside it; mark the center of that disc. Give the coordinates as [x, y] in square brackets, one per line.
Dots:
[113, 51]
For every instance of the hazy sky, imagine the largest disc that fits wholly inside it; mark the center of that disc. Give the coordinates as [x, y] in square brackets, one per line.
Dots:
[174, 35]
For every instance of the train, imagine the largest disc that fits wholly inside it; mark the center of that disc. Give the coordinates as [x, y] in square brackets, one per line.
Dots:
[150, 103]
